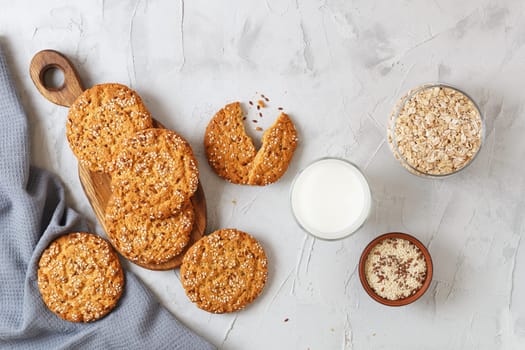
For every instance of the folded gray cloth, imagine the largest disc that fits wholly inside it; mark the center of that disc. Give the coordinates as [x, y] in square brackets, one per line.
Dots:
[32, 214]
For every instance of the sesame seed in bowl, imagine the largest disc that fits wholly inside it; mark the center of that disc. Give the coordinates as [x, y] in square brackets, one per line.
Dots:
[395, 269]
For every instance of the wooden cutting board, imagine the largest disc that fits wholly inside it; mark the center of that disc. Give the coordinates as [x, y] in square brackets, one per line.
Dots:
[96, 185]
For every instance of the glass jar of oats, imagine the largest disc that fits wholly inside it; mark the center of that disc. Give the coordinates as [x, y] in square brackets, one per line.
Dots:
[435, 130]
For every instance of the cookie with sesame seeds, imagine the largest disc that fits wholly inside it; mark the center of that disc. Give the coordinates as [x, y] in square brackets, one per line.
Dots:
[100, 119]
[224, 271]
[157, 171]
[278, 146]
[230, 151]
[146, 240]
[80, 277]
[232, 154]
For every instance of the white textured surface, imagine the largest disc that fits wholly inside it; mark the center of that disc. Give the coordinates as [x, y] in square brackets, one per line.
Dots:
[337, 67]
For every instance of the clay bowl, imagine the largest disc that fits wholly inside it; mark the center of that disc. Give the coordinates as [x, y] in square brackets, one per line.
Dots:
[398, 302]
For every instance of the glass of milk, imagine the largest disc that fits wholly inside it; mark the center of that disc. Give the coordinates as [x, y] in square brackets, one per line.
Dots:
[330, 198]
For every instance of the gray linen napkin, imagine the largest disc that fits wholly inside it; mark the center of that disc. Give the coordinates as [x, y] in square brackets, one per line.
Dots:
[32, 214]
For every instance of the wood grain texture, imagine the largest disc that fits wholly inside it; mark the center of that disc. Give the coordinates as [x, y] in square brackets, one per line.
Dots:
[64, 95]
[97, 185]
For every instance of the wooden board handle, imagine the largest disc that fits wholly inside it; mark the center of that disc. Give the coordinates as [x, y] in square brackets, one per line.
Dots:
[63, 95]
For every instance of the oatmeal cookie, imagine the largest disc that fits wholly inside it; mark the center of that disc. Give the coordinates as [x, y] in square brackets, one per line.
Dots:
[155, 169]
[146, 240]
[80, 277]
[232, 154]
[225, 271]
[100, 119]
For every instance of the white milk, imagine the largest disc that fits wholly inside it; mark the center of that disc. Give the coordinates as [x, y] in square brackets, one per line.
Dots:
[330, 198]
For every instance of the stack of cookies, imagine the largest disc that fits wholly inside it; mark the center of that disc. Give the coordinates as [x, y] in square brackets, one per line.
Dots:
[154, 174]
[150, 214]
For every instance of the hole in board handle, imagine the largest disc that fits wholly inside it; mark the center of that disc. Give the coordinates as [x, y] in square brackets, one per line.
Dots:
[52, 78]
